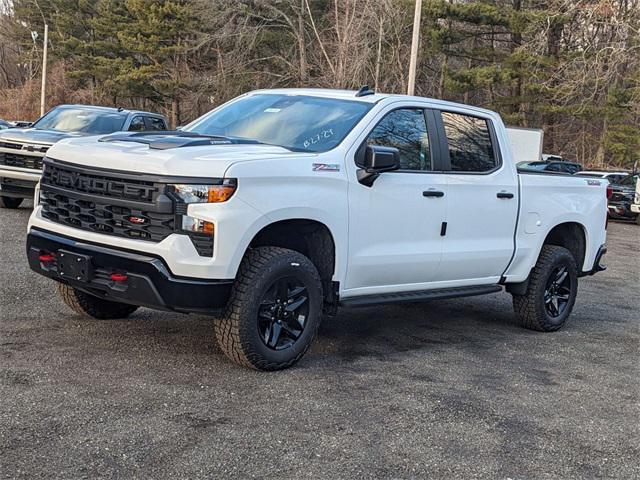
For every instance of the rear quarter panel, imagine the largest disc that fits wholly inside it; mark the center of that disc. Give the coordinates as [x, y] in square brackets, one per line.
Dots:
[548, 200]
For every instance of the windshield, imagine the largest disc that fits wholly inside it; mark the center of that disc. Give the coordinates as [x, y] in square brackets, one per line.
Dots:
[300, 123]
[85, 120]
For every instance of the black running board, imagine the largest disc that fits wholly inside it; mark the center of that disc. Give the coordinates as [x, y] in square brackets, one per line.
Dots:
[418, 296]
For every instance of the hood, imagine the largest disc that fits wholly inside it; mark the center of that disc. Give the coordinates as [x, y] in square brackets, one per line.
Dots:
[32, 135]
[190, 161]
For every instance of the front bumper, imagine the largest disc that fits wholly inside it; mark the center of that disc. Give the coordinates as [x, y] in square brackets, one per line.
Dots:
[20, 173]
[635, 208]
[148, 283]
[19, 183]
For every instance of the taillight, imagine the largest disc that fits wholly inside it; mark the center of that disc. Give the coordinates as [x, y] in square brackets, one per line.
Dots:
[609, 191]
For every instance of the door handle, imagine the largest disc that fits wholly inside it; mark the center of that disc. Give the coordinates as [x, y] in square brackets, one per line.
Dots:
[504, 195]
[432, 193]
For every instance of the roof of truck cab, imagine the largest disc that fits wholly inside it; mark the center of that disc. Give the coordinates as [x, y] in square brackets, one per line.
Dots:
[108, 109]
[371, 98]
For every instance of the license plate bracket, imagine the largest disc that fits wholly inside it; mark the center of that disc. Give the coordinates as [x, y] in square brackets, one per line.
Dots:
[74, 266]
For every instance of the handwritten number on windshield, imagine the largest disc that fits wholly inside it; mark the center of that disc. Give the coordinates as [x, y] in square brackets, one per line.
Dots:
[318, 137]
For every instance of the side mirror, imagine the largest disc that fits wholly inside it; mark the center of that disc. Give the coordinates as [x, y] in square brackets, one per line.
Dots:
[377, 159]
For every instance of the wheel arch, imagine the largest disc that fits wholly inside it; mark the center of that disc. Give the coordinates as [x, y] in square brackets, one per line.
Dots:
[312, 238]
[572, 236]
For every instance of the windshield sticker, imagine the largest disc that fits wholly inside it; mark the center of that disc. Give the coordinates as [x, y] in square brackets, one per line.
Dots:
[323, 135]
[325, 167]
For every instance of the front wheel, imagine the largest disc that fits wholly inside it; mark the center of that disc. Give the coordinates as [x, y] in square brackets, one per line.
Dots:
[10, 202]
[551, 293]
[274, 311]
[91, 306]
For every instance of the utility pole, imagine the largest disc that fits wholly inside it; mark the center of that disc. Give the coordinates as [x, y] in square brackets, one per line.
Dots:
[44, 68]
[415, 39]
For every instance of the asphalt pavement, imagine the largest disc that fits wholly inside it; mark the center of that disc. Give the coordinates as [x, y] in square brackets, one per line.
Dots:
[447, 389]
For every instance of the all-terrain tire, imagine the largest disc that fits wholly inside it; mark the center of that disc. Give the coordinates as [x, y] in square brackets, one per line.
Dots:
[10, 202]
[237, 332]
[92, 306]
[530, 308]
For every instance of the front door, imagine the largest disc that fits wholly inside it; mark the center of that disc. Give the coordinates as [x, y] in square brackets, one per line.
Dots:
[395, 241]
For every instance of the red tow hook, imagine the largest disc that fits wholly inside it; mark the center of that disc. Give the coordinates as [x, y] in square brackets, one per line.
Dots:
[119, 277]
[47, 257]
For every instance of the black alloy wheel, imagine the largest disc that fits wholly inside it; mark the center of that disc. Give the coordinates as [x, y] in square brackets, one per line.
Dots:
[557, 291]
[283, 313]
[274, 310]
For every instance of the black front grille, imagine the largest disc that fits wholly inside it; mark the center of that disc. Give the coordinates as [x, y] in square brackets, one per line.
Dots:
[104, 218]
[14, 146]
[122, 205]
[106, 203]
[104, 185]
[620, 197]
[23, 161]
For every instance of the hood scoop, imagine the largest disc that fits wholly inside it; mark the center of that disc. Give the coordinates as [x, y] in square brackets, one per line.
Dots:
[166, 140]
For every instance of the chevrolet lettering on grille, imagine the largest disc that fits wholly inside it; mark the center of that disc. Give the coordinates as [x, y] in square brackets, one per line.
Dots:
[77, 181]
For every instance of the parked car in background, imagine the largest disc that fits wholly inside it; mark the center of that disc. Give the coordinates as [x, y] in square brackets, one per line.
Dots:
[550, 165]
[612, 177]
[4, 124]
[635, 206]
[623, 197]
[22, 149]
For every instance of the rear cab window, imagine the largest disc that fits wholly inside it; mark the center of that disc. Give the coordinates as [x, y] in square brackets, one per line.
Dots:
[154, 123]
[469, 143]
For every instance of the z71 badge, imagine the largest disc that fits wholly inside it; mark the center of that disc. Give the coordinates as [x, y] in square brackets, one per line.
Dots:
[325, 167]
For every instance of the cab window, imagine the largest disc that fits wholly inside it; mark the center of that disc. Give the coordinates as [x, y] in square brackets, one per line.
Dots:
[406, 130]
[137, 124]
[154, 123]
[469, 142]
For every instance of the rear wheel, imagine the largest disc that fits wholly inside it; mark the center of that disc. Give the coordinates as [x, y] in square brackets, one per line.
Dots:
[274, 310]
[551, 293]
[95, 307]
[10, 202]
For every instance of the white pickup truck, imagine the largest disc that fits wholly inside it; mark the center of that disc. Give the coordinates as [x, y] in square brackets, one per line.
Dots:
[283, 205]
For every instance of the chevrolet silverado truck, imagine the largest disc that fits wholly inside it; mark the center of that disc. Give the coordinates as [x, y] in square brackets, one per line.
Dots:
[280, 206]
[22, 149]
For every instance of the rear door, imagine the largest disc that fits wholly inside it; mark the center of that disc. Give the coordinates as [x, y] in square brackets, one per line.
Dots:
[482, 204]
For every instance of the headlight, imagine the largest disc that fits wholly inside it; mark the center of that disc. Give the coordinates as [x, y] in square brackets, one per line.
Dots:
[206, 193]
